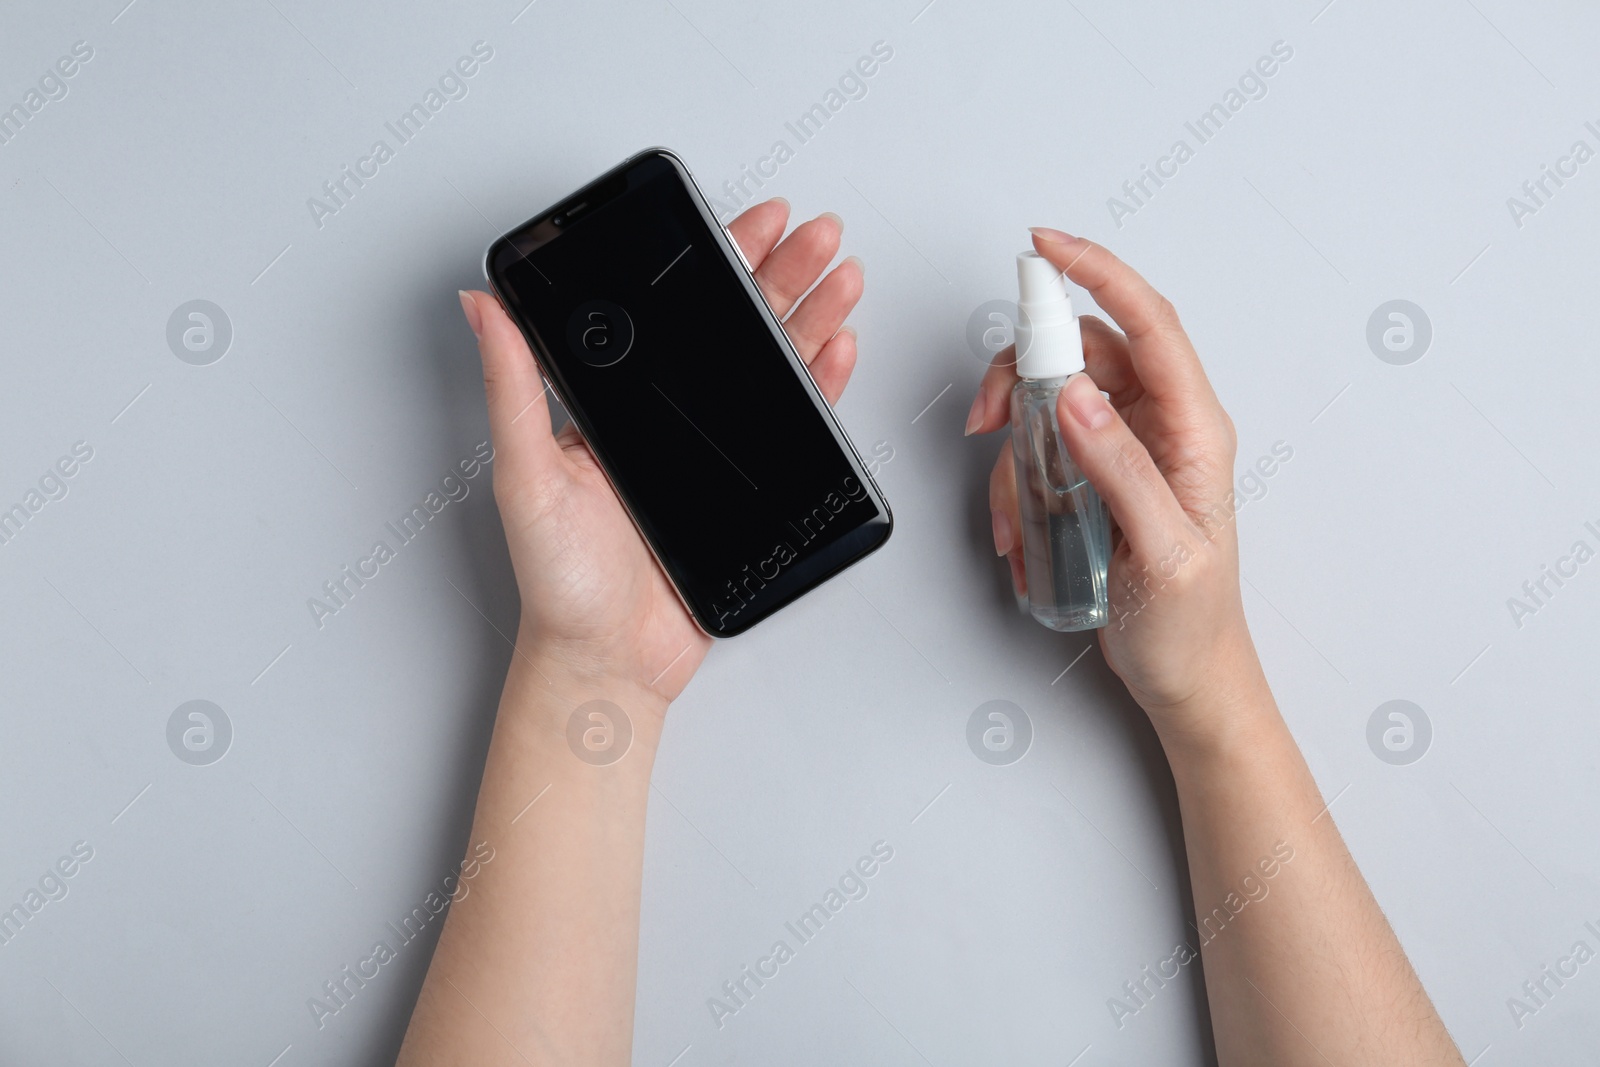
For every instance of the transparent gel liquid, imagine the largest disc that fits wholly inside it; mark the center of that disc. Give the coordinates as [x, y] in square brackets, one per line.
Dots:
[1066, 533]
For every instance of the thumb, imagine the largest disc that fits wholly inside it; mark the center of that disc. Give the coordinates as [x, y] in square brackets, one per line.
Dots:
[519, 417]
[1120, 468]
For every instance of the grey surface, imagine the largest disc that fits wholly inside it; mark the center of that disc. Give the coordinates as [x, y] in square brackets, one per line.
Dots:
[1418, 500]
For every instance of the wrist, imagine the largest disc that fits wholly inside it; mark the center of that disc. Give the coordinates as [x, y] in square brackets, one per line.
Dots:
[555, 700]
[1224, 732]
[1230, 711]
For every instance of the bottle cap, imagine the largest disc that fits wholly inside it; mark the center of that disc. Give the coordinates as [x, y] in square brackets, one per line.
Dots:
[1049, 344]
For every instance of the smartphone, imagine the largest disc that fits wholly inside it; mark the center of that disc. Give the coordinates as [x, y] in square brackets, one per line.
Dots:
[654, 335]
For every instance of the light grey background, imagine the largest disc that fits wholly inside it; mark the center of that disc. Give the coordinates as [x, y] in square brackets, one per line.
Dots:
[1020, 898]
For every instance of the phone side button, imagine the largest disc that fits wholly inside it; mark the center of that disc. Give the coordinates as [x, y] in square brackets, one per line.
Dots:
[739, 251]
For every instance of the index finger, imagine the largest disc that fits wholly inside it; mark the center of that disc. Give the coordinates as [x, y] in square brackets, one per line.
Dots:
[758, 229]
[1162, 356]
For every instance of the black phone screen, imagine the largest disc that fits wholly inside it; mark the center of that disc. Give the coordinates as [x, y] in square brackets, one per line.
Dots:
[692, 400]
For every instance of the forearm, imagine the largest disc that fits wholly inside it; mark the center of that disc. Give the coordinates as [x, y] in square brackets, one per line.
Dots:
[537, 961]
[1301, 966]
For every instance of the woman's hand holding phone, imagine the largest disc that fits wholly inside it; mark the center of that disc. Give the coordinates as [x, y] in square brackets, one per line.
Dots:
[594, 600]
[539, 961]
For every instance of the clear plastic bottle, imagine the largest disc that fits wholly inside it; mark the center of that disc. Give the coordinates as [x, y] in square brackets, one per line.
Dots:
[1066, 533]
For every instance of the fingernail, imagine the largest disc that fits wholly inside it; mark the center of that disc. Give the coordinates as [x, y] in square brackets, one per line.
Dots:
[1002, 531]
[1045, 233]
[860, 266]
[779, 200]
[469, 308]
[1019, 581]
[1087, 405]
[837, 221]
[851, 330]
[975, 416]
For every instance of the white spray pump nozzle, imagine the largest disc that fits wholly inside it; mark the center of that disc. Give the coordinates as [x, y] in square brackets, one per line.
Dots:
[1048, 342]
